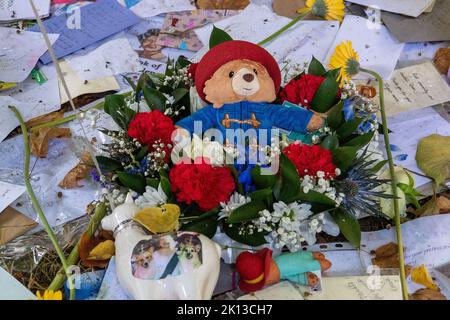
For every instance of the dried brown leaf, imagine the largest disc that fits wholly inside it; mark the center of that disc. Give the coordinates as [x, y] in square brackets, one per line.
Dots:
[386, 250]
[386, 257]
[39, 139]
[222, 4]
[427, 294]
[436, 205]
[442, 60]
[87, 244]
[79, 172]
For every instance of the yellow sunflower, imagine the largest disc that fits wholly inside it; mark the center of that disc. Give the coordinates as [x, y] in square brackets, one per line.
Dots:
[328, 9]
[345, 58]
[49, 295]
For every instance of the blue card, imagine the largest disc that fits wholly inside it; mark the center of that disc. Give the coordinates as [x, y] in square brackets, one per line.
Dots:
[86, 25]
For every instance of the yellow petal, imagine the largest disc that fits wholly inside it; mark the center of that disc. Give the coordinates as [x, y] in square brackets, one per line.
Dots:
[103, 251]
[421, 276]
[159, 219]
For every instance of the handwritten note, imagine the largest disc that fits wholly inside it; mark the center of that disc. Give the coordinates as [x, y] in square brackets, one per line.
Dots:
[19, 53]
[8, 193]
[11, 10]
[87, 25]
[383, 287]
[415, 87]
[151, 8]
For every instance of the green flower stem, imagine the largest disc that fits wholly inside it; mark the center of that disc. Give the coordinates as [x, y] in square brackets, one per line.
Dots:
[36, 205]
[74, 256]
[290, 24]
[398, 227]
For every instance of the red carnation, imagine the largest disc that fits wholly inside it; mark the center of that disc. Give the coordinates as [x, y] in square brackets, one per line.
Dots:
[201, 183]
[310, 159]
[150, 127]
[302, 90]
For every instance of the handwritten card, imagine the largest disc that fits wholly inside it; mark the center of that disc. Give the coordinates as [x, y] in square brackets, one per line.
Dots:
[8, 193]
[377, 49]
[405, 7]
[19, 53]
[151, 8]
[383, 287]
[96, 22]
[11, 10]
[415, 87]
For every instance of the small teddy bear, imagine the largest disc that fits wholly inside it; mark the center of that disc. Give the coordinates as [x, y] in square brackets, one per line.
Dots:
[239, 80]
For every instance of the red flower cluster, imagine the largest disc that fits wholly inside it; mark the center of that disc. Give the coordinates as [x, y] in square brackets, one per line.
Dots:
[149, 127]
[302, 90]
[201, 183]
[310, 159]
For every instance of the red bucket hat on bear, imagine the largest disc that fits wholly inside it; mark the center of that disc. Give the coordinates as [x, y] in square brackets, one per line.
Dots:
[253, 269]
[228, 51]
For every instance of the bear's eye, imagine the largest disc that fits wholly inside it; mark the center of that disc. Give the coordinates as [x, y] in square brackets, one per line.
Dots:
[256, 72]
[231, 74]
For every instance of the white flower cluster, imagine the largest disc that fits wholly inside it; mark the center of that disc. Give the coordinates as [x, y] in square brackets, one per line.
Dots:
[178, 76]
[321, 185]
[320, 134]
[291, 70]
[236, 200]
[290, 224]
[348, 90]
[151, 198]
[116, 196]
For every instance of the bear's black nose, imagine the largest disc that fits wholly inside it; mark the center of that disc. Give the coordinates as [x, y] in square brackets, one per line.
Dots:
[248, 77]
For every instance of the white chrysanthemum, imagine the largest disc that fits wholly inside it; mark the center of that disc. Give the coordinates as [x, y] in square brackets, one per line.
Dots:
[236, 200]
[151, 198]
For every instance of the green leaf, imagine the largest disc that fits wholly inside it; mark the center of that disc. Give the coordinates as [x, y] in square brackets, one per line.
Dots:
[316, 68]
[165, 185]
[262, 194]
[290, 180]
[152, 182]
[248, 211]
[319, 202]
[108, 164]
[218, 36]
[361, 140]
[331, 142]
[254, 240]
[141, 153]
[207, 227]
[114, 105]
[378, 166]
[433, 157]
[130, 82]
[348, 128]
[132, 181]
[343, 157]
[178, 94]
[325, 96]
[182, 62]
[263, 177]
[154, 98]
[334, 73]
[335, 117]
[349, 226]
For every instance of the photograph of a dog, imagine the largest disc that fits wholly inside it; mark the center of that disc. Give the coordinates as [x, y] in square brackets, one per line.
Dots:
[166, 255]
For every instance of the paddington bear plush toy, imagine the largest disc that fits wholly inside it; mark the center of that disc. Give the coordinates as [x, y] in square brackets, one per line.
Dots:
[239, 80]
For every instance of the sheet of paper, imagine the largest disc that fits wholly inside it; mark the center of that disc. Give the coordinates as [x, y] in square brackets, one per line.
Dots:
[415, 87]
[151, 8]
[433, 26]
[359, 288]
[426, 241]
[405, 7]
[377, 49]
[90, 24]
[114, 56]
[12, 289]
[407, 129]
[297, 45]
[20, 52]
[419, 52]
[78, 86]
[31, 99]
[284, 290]
[110, 288]
[8, 193]
[11, 10]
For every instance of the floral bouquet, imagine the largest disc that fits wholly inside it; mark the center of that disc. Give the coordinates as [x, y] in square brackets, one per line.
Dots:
[323, 182]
